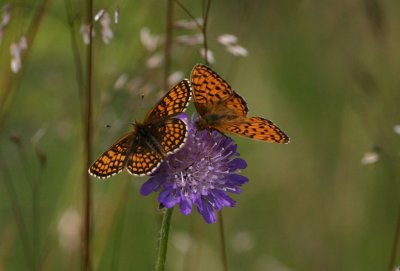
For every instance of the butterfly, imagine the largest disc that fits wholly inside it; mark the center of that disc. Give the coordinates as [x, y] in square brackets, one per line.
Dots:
[142, 150]
[222, 109]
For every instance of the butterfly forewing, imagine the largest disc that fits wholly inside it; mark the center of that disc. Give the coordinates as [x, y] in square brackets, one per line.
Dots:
[208, 86]
[113, 160]
[173, 103]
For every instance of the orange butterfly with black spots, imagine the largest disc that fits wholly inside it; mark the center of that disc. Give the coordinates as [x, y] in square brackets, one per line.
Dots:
[142, 150]
[222, 109]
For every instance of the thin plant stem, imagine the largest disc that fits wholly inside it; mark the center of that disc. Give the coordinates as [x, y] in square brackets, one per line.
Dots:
[222, 239]
[88, 136]
[163, 241]
[396, 240]
[76, 53]
[189, 14]
[202, 28]
[206, 11]
[168, 43]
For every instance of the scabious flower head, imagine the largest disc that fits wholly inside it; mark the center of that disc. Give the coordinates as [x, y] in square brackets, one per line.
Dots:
[201, 174]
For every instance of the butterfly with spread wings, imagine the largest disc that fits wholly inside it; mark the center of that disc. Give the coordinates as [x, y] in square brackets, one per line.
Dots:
[222, 109]
[142, 150]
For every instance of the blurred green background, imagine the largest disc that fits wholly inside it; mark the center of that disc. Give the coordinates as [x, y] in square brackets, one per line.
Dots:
[326, 72]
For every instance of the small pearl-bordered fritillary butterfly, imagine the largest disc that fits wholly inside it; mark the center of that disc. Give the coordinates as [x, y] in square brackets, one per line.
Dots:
[222, 109]
[142, 150]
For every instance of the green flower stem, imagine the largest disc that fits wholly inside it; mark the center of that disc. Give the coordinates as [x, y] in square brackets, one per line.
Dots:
[163, 241]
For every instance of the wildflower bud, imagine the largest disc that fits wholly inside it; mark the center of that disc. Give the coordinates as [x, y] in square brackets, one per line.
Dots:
[210, 55]
[106, 32]
[99, 14]
[237, 50]
[6, 17]
[175, 78]
[189, 24]
[227, 39]
[84, 29]
[16, 51]
[190, 40]
[116, 15]
[150, 42]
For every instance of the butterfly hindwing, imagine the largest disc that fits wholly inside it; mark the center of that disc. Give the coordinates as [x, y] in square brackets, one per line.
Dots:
[113, 160]
[143, 161]
[237, 104]
[173, 135]
[256, 128]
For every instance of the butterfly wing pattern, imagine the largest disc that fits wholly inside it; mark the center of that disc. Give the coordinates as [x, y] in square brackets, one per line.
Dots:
[222, 109]
[143, 149]
[211, 90]
[113, 160]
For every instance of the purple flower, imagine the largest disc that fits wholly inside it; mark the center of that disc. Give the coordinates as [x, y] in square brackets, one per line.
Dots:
[201, 174]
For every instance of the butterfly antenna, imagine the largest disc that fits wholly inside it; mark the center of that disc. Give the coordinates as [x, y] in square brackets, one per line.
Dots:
[199, 26]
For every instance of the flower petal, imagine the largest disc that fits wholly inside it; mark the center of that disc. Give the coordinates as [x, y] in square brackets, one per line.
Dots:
[224, 199]
[151, 185]
[206, 210]
[167, 198]
[237, 163]
[185, 205]
[237, 179]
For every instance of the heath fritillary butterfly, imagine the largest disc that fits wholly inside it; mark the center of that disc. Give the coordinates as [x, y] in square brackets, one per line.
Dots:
[142, 150]
[222, 109]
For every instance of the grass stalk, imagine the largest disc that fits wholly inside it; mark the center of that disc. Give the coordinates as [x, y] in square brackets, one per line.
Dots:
[168, 43]
[396, 240]
[206, 12]
[87, 195]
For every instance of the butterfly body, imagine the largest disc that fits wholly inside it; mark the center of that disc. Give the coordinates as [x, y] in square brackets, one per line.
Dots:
[142, 150]
[222, 109]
